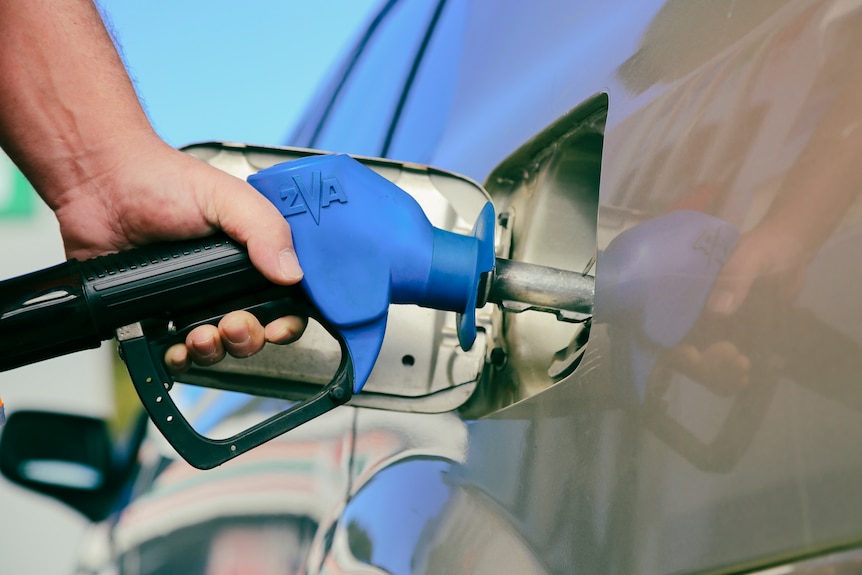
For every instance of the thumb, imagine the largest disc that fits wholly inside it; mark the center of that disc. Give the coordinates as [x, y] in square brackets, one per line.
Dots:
[728, 294]
[248, 217]
[747, 262]
[271, 250]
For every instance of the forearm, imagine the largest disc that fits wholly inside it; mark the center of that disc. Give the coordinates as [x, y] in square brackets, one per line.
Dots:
[67, 106]
[70, 119]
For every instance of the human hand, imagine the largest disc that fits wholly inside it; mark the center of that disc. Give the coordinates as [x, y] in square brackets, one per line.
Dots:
[151, 192]
[771, 255]
[719, 366]
[765, 269]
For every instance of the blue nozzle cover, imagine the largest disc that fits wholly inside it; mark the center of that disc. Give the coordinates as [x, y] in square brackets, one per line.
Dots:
[483, 236]
[364, 243]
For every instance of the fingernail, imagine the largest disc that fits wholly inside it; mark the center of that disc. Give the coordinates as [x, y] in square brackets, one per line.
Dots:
[278, 331]
[177, 366]
[206, 347]
[290, 269]
[237, 334]
[722, 302]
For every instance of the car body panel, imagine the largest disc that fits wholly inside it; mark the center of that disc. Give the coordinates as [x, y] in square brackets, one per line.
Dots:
[728, 448]
[742, 449]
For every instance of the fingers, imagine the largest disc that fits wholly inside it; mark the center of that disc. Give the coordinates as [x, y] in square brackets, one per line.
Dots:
[726, 298]
[203, 346]
[271, 249]
[238, 334]
[722, 367]
[244, 214]
[734, 283]
[241, 334]
[177, 359]
[766, 252]
[285, 329]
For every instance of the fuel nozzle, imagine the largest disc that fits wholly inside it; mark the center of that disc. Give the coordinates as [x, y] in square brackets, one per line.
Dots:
[364, 243]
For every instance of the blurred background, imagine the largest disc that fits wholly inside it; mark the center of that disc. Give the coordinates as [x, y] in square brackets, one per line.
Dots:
[227, 71]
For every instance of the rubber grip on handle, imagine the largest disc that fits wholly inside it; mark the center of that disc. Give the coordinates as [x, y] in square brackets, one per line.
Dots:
[169, 281]
[76, 305]
[43, 315]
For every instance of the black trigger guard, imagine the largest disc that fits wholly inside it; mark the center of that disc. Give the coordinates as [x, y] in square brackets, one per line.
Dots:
[145, 363]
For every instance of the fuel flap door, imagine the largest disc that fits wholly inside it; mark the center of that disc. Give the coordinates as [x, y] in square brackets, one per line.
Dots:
[421, 367]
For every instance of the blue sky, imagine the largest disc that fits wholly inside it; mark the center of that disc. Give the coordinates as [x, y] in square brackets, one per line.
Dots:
[233, 71]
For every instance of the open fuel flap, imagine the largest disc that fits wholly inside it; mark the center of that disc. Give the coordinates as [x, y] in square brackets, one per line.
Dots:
[421, 367]
[545, 197]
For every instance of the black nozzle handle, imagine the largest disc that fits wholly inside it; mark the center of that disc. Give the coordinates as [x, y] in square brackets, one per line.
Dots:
[78, 304]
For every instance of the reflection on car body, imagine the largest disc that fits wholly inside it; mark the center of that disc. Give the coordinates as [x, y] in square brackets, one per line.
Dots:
[730, 447]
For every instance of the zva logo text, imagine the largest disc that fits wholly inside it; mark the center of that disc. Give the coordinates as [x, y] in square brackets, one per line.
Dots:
[309, 197]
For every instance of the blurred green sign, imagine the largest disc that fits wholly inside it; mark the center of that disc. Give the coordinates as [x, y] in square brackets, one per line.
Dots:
[17, 197]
